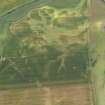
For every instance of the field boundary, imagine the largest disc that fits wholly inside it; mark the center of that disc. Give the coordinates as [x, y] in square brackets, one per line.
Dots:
[41, 84]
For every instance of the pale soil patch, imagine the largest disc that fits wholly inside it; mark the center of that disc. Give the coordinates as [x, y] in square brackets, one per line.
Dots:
[77, 94]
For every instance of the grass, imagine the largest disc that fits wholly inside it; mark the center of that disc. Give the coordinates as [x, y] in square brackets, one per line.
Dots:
[98, 51]
[39, 50]
[36, 68]
[67, 4]
[6, 5]
[98, 70]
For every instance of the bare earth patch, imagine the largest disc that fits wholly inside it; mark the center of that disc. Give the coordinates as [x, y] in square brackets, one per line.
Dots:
[73, 94]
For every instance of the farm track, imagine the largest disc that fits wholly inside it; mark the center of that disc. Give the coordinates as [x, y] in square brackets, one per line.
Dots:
[97, 10]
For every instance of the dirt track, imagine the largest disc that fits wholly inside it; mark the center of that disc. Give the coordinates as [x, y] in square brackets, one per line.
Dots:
[97, 9]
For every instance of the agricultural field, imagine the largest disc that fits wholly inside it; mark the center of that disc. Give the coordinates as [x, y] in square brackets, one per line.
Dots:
[44, 52]
[6, 5]
[53, 95]
[97, 50]
[49, 43]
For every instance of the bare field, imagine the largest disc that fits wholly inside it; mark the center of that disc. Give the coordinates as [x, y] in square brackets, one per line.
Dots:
[74, 94]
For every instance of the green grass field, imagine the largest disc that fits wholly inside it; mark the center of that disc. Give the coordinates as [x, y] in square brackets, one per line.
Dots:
[48, 44]
[6, 5]
[44, 53]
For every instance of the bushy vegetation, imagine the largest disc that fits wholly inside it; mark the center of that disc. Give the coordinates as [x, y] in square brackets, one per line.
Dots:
[50, 44]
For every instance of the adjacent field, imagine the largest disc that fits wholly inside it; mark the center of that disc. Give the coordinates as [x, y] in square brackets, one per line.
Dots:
[6, 5]
[48, 44]
[98, 49]
[97, 9]
[74, 94]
